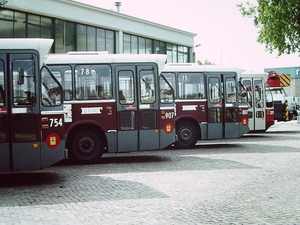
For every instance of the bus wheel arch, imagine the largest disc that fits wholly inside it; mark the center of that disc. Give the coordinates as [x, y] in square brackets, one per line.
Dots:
[86, 144]
[188, 133]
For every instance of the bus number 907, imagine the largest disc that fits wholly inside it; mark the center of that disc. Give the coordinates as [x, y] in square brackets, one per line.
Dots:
[169, 115]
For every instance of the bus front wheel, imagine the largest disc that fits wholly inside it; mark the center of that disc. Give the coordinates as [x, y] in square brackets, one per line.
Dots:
[86, 147]
[187, 133]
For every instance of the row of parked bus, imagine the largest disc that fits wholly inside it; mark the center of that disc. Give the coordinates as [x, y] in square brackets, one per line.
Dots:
[83, 104]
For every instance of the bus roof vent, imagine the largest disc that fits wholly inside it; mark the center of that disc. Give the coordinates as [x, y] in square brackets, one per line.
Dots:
[88, 53]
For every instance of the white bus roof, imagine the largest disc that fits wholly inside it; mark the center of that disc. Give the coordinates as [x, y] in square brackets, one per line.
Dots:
[194, 67]
[102, 57]
[39, 44]
[255, 74]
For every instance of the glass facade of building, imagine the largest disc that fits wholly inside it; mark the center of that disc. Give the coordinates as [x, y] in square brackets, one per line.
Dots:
[71, 36]
[139, 45]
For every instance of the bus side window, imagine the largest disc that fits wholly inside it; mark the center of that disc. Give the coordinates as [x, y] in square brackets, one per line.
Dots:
[68, 92]
[126, 87]
[258, 94]
[85, 82]
[91, 90]
[191, 86]
[230, 90]
[121, 96]
[24, 79]
[104, 90]
[183, 84]
[147, 84]
[214, 90]
[248, 85]
[93, 82]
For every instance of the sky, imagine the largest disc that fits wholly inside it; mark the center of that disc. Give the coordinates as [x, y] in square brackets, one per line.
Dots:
[226, 38]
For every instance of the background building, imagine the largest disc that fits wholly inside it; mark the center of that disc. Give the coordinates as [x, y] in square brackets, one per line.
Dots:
[294, 72]
[75, 26]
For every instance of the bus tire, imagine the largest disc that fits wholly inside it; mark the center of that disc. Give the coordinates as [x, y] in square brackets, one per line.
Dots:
[86, 147]
[187, 133]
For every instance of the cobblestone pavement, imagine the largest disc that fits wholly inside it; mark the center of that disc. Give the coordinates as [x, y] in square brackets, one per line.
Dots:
[251, 180]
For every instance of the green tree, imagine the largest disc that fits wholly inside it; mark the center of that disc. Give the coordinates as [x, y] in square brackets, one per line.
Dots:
[278, 22]
[205, 62]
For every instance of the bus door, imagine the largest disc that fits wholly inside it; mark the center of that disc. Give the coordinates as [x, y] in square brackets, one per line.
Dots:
[20, 136]
[222, 106]
[137, 106]
[259, 104]
[256, 103]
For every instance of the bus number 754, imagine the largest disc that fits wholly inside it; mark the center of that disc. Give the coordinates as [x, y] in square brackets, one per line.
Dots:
[55, 122]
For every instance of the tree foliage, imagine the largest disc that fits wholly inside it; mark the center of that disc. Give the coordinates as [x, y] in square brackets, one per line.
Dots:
[278, 22]
[206, 62]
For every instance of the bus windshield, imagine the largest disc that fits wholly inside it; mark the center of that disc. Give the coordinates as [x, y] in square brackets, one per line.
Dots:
[244, 95]
[166, 90]
[51, 90]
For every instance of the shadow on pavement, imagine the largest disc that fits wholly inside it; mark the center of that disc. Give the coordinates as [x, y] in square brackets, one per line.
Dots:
[28, 179]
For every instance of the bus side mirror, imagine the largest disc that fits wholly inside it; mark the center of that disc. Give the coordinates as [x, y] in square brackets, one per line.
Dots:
[21, 76]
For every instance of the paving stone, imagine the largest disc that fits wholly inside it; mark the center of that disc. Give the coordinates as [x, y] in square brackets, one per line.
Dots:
[251, 180]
